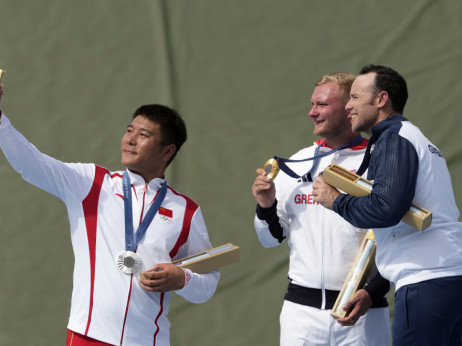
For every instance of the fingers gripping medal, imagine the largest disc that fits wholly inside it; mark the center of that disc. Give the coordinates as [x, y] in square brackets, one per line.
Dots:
[271, 168]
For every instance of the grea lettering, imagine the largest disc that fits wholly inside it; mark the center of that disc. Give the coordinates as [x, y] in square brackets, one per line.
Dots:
[304, 199]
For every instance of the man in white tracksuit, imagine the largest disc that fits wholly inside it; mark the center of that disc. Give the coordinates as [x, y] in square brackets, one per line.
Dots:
[123, 278]
[322, 245]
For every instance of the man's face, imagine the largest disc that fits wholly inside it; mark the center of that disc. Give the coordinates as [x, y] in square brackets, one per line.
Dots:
[362, 107]
[328, 111]
[142, 149]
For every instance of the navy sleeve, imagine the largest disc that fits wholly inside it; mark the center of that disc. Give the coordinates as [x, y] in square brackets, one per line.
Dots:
[377, 287]
[394, 167]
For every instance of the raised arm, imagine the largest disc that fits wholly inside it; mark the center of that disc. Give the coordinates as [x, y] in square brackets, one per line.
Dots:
[66, 181]
[267, 222]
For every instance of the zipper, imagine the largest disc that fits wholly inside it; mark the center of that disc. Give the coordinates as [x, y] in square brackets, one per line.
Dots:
[131, 279]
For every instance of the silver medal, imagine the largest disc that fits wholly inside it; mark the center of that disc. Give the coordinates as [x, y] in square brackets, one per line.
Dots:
[128, 262]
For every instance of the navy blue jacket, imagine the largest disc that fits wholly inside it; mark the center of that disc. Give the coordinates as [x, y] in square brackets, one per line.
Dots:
[393, 167]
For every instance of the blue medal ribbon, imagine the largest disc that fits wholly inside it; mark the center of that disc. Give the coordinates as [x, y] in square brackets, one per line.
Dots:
[132, 240]
[307, 176]
[366, 158]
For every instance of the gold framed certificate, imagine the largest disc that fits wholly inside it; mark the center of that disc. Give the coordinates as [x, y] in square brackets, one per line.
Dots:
[354, 185]
[209, 260]
[358, 274]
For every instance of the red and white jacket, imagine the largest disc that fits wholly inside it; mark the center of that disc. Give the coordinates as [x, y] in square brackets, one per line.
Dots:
[108, 305]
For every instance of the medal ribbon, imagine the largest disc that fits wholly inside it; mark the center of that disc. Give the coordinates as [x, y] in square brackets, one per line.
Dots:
[132, 240]
[367, 158]
[283, 166]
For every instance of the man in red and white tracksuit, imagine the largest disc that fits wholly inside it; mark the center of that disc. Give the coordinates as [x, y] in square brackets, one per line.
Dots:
[110, 306]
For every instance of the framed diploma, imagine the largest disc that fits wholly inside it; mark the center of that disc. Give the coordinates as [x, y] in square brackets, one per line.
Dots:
[354, 185]
[209, 260]
[357, 275]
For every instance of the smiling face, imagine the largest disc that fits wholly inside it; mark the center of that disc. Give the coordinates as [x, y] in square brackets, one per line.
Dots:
[363, 106]
[142, 149]
[329, 114]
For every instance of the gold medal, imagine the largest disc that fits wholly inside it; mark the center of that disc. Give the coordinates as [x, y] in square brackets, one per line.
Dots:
[271, 167]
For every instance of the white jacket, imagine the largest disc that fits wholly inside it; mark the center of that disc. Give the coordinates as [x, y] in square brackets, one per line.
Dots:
[108, 305]
[322, 244]
[406, 167]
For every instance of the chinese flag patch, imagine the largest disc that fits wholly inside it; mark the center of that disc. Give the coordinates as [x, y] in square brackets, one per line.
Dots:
[166, 212]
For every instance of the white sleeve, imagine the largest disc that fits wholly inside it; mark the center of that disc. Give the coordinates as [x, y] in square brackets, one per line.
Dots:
[201, 287]
[264, 234]
[66, 181]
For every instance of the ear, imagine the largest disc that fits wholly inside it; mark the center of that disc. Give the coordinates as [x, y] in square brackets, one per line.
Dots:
[382, 99]
[168, 151]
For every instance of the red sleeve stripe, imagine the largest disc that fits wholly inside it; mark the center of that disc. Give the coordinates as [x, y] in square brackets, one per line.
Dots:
[90, 210]
[190, 209]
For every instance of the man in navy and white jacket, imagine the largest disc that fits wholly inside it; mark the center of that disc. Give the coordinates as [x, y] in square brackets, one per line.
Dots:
[111, 303]
[405, 167]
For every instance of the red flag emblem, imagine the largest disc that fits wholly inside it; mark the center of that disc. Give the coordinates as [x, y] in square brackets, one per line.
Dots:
[166, 212]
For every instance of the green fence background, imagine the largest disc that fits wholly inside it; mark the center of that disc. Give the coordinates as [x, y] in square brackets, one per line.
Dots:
[242, 73]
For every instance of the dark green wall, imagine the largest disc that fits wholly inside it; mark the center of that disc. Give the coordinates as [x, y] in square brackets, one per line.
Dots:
[241, 72]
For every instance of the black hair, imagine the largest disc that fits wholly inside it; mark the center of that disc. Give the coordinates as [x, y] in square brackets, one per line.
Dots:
[392, 82]
[172, 126]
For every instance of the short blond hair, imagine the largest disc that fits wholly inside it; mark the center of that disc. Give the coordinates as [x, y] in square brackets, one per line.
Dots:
[343, 79]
